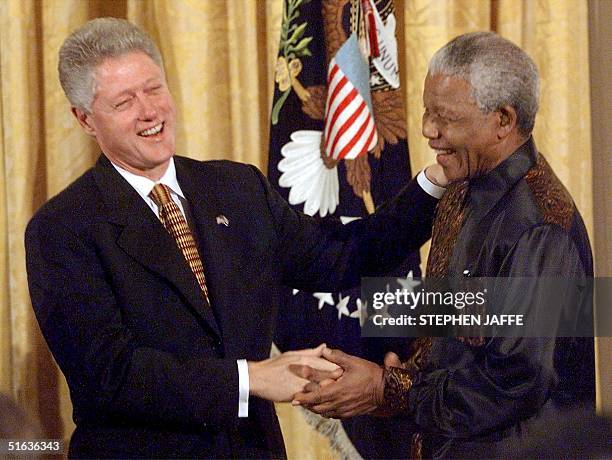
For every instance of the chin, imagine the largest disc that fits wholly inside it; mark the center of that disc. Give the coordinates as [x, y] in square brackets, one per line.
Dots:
[160, 156]
[454, 172]
[451, 174]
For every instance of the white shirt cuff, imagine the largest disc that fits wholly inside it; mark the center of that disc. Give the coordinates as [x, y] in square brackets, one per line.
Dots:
[243, 388]
[432, 189]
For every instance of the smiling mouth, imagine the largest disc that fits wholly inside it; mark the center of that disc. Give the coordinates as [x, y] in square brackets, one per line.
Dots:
[444, 151]
[152, 131]
[444, 156]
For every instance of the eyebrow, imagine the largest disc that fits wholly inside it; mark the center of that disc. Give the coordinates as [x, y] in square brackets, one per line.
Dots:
[447, 111]
[130, 90]
[442, 110]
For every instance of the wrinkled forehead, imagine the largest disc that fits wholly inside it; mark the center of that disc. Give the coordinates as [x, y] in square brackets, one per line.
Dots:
[447, 91]
[125, 61]
[115, 73]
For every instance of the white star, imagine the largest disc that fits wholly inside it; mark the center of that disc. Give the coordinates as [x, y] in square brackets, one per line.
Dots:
[342, 305]
[375, 80]
[361, 312]
[409, 283]
[295, 291]
[324, 298]
[384, 313]
[347, 219]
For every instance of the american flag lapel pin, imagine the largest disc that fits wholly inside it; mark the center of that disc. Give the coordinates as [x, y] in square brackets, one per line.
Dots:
[222, 220]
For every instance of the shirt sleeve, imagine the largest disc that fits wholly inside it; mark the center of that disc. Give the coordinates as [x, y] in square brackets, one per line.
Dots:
[432, 189]
[243, 388]
[470, 390]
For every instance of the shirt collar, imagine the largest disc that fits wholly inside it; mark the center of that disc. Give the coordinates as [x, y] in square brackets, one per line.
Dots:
[144, 185]
[487, 190]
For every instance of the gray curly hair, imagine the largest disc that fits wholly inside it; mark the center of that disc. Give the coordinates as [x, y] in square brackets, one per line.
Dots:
[499, 72]
[89, 45]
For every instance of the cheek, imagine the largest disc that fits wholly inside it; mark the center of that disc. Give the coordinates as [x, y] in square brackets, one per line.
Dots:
[168, 105]
[116, 133]
[121, 122]
[459, 136]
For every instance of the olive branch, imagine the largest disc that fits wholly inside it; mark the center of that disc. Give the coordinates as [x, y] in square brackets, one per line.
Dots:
[293, 45]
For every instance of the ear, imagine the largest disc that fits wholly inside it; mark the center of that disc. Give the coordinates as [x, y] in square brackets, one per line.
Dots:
[85, 120]
[507, 121]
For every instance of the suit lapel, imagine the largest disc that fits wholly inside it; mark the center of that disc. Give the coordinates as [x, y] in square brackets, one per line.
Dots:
[144, 238]
[204, 193]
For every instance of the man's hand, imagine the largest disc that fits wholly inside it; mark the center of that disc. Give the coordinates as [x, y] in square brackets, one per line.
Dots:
[435, 174]
[358, 391]
[274, 380]
[393, 360]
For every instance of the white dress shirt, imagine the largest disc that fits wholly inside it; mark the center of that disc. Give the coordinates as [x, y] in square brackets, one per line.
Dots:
[144, 185]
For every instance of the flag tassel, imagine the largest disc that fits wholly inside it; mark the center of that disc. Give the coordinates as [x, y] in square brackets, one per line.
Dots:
[371, 28]
[368, 201]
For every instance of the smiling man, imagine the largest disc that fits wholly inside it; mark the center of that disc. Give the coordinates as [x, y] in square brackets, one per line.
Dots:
[468, 141]
[155, 278]
[132, 115]
[506, 215]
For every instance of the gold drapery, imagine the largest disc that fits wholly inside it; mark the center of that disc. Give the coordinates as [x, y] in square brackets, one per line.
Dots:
[555, 34]
[220, 57]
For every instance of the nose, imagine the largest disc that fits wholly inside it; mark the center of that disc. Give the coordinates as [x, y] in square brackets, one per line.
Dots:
[148, 110]
[429, 128]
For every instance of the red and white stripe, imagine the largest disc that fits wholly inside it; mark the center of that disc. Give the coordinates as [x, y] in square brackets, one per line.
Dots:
[349, 125]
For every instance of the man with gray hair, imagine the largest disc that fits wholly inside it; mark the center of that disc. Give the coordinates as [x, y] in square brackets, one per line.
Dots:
[505, 214]
[155, 278]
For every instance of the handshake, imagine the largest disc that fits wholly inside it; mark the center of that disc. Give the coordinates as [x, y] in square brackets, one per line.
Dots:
[326, 381]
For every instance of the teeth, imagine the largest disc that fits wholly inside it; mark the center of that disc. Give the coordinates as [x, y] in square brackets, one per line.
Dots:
[151, 131]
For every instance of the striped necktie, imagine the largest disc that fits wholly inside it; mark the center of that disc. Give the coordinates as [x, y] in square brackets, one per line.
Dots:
[173, 220]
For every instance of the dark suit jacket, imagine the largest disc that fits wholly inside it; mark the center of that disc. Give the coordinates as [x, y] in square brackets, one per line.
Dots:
[151, 369]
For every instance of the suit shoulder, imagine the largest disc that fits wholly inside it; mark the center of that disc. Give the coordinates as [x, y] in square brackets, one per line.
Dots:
[70, 203]
[228, 166]
[222, 171]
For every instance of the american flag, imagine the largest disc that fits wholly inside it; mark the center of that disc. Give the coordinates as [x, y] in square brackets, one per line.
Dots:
[349, 124]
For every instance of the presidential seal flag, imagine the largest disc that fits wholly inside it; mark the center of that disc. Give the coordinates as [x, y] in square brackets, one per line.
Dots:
[338, 148]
